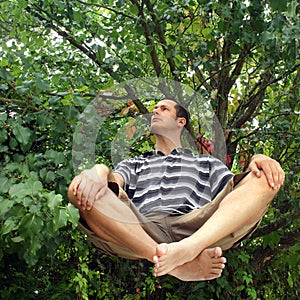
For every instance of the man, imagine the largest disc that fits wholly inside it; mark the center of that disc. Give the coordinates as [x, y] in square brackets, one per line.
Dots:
[183, 209]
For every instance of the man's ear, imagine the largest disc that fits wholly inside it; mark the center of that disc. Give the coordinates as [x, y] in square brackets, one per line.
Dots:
[181, 121]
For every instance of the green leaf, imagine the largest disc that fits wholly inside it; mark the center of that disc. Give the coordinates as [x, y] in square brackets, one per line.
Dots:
[55, 156]
[27, 201]
[13, 143]
[292, 8]
[244, 257]
[29, 187]
[290, 281]
[30, 259]
[3, 149]
[73, 215]
[280, 5]
[272, 239]
[36, 187]
[30, 225]
[50, 176]
[5, 185]
[206, 32]
[8, 226]
[100, 54]
[22, 134]
[41, 84]
[19, 191]
[17, 239]
[3, 116]
[60, 219]
[6, 205]
[6, 75]
[134, 9]
[53, 200]
[22, 4]
[44, 120]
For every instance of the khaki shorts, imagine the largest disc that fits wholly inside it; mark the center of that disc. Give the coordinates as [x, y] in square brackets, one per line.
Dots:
[164, 228]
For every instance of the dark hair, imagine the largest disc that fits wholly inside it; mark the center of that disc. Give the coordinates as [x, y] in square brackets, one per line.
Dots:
[181, 112]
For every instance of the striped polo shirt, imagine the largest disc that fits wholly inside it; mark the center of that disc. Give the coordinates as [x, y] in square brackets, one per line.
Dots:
[175, 184]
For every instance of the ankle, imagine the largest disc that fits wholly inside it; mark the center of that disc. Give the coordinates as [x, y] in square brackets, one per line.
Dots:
[191, 246]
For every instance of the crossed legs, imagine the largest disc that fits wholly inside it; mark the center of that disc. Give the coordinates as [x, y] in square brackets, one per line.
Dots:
[190, 258]
[245, 205]
[130, 234]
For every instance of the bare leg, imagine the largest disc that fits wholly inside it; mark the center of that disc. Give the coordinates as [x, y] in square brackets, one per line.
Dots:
[128, 234]
[208, 265]
[242, 206]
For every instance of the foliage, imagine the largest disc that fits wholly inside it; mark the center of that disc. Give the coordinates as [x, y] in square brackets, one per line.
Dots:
[57, 56]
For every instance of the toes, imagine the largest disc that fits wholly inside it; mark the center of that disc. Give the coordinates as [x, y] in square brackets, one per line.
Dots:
[218, 265]
[161, 249]
[216, 261]
[214, 252]
[218, 252]
[221, 266]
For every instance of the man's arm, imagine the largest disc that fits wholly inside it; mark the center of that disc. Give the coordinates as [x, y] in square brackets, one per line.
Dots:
[271, 168]
[90, 185]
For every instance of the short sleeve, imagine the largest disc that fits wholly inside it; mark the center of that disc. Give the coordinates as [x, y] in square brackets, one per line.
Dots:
[126, 169]
[219, 176]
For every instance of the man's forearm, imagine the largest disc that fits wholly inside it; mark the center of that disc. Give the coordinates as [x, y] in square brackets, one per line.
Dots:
[102, 170]
[105, 173]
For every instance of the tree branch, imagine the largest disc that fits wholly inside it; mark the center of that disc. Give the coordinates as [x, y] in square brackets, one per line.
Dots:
[108, 8]
[237, 140]
[19, 103]
[263, 254]
[239, 65]
[202, 80]
[149, 39]
[282, 223]
[246, 109]
[79, 45]
[162, 39]
[225, 81]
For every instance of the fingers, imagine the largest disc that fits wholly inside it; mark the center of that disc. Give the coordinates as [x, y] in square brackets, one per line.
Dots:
[272, 170]
[75, 186]
[274, 174]
[88, 189]
[278, 176]
[269, 172]
[255, 171]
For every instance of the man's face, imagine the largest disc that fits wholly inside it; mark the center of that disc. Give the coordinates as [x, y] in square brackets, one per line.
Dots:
[164, 117]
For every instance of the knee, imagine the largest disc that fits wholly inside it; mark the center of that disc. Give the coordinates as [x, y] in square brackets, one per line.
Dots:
[263, 187]
[258, 185]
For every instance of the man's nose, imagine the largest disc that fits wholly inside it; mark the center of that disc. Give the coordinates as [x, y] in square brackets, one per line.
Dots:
[155, 111]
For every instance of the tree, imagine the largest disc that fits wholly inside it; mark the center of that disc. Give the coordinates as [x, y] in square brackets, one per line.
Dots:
[57, 56]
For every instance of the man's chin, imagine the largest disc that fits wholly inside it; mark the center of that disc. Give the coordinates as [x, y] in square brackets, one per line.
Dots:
[155, 130]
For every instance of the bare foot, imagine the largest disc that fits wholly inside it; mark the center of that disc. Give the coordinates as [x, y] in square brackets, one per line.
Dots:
[208, 265]
[170, 256]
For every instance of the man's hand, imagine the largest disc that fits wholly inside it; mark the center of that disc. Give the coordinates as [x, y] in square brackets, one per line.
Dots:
[90, 185]
[270, 167]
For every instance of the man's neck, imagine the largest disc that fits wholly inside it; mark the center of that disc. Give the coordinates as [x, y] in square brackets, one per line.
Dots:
[166, 145]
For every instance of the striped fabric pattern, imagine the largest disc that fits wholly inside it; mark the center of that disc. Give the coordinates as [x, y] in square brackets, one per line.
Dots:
[175, 184]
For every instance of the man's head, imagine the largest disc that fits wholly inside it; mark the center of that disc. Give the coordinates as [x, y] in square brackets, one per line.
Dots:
[169, 115]
[181, 112]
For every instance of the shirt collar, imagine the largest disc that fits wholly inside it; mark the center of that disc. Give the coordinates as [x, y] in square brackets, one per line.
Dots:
[174, 151]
